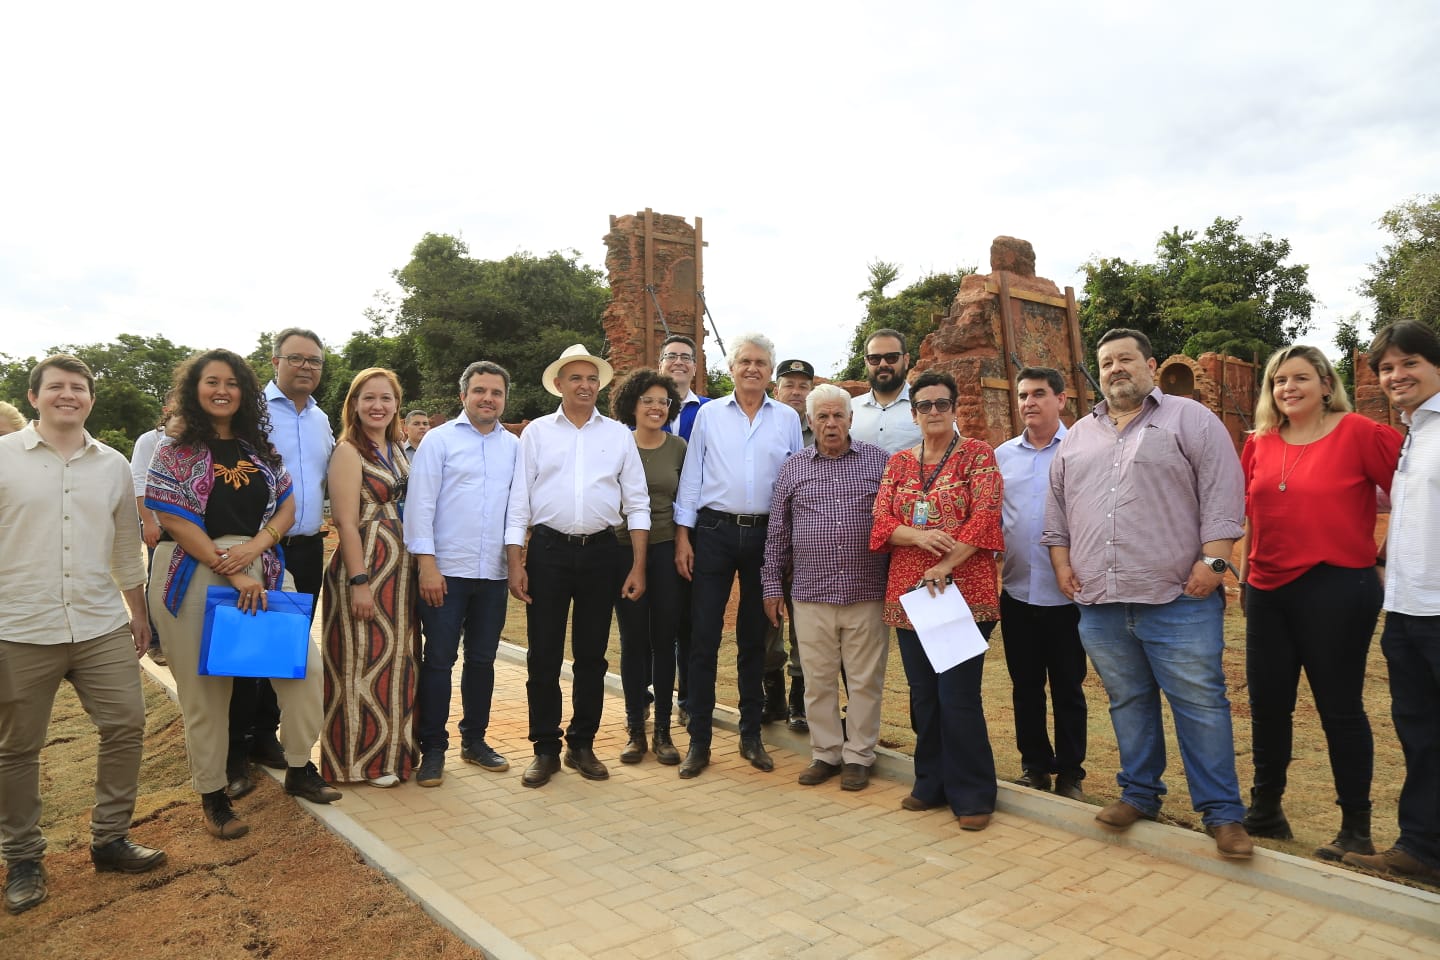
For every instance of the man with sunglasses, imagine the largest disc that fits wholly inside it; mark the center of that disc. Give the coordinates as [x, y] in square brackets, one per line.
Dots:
[882, 416]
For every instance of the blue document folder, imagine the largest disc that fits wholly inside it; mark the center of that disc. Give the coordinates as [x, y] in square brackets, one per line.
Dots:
[272, 643]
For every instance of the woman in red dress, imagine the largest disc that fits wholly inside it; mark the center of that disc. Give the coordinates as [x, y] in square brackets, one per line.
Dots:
[938, 515]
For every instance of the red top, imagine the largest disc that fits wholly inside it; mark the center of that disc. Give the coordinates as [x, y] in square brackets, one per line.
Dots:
[965, 502]
[1326, 513]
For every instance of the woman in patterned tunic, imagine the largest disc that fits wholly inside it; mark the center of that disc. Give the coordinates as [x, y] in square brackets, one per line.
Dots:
[371, 628]
[938, 515]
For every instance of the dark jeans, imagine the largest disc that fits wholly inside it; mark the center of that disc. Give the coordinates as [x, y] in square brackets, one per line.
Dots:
[953, 761]
[722, 550]
[684, 599]
[647, 636]
[562, 573]
[254, 711]
[1043, 643]
[474, 609]
[1322, 622]
[1412, 649]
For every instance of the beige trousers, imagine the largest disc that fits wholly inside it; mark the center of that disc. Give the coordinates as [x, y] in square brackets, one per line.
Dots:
[205, 701]
[106, 678]
[854, 635]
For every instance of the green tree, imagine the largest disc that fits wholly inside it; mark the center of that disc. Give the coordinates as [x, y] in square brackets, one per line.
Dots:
[1218, 291]
[911, 311]
[15, 381]
[1404, 282]
[1347, 341]
[521, 312]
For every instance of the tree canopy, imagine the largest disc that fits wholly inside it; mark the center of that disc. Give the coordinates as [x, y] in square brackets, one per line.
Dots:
[1404, 282]
[911, 311]
[1218, 291]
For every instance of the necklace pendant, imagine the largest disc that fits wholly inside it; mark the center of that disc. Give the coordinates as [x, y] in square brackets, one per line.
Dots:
[1282, 486]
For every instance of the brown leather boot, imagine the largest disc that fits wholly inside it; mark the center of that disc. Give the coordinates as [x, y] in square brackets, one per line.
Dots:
[637, 747]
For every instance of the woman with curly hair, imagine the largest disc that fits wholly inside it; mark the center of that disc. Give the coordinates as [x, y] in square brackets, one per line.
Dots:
[224, 502]
[371, 627]
[648, 626]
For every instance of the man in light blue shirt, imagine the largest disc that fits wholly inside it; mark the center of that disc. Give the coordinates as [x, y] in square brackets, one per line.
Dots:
[455, 528]
[301, 433]
[722, 508]
[1040, 623]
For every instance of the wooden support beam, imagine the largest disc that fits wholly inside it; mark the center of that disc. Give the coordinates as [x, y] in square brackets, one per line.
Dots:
[1080, 385]
[992, 287]
[1007, 343]
[995, 383]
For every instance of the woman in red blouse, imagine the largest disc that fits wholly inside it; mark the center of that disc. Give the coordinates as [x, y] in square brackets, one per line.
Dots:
[938, 515]
[1312, 593]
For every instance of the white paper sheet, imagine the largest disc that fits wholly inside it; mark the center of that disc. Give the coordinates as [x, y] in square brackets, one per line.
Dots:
[945, 625]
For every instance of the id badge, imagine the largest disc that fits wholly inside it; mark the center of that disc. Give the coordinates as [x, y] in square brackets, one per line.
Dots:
[921, 513]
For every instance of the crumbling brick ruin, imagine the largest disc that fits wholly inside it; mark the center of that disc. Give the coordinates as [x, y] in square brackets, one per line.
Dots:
[1224, 384]
[664, 252]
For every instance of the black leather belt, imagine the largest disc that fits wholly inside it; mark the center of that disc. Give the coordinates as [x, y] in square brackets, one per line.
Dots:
[574, 539]
[739, 519]
[302, 538]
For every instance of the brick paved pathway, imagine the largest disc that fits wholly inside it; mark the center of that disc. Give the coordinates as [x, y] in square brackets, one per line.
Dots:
[739, 863]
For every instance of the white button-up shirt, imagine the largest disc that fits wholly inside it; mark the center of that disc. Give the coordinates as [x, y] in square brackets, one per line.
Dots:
[304, 440]
[69, 541]
[1026, 573]
[576, 480]
[732, 461]
[456, 501]
[891, 427]
[1411, 586]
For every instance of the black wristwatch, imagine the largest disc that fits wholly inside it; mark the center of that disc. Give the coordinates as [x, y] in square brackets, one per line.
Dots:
[359, 578]
[1218, 564]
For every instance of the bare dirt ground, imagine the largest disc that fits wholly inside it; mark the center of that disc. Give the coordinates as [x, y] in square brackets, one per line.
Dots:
[288, 889]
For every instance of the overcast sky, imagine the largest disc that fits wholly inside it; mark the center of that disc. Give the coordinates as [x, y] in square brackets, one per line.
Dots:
[207, 172]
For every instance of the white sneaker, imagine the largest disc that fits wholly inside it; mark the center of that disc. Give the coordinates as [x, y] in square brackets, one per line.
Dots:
[389, 780]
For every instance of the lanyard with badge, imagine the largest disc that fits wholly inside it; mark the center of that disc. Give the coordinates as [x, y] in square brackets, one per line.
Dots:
[924, 510]
[402, 484]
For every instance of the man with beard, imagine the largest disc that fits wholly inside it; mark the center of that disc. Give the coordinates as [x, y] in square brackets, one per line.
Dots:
[1146, 501]
[882, 416]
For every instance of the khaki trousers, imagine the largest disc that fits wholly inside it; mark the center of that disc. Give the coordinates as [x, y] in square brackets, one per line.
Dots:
[106, 677]
[854, 635]
[205, 701]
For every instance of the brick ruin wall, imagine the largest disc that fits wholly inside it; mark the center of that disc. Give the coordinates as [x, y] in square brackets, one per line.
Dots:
[675, 268]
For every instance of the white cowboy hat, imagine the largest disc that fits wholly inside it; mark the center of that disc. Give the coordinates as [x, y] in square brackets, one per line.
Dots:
[576, 351]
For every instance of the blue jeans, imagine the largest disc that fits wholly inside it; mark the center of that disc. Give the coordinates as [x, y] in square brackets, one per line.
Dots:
[474, 609]
[722, 550]
[1412, 650]
[953, 760]
[1141, 649]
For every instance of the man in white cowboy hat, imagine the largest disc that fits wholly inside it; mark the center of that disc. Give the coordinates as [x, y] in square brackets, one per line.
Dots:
[577, 475]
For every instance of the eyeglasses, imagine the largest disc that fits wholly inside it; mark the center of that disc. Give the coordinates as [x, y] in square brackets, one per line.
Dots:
[939, 406]
[654, 401]
[298, 360]
[875, 359]
[677, 358]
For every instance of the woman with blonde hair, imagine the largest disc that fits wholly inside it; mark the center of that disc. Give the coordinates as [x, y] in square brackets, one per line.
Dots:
[371, 626]
[1310, 589]
[11, 419]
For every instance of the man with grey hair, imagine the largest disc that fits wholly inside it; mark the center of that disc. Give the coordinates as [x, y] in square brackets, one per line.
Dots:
[455, 528]
[301, 433]
[737, 447]
[820, 518]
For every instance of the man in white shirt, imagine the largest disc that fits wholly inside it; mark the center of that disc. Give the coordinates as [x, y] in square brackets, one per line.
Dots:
[1041, 625]
[455, 528]
[882, 416]
[722, 510]
[69, 548]
[577, 476]
[1406, 357]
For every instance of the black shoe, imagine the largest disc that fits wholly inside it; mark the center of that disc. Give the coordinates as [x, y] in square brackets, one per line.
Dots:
[775, 707]
[1265, 818]
[125, 856]
[637, 746]
[817, 773]
[305, 782]
[798, 723]
[665, 750]
[753, 750]
[268, 753]
[1035, 780]
[432, 769]
[483, 756]
[541, 769]
[696, 759]
[220, 819]
[25, 886]
[237, 772]
[1354, 837]
[1069, 787]
[584, 760]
